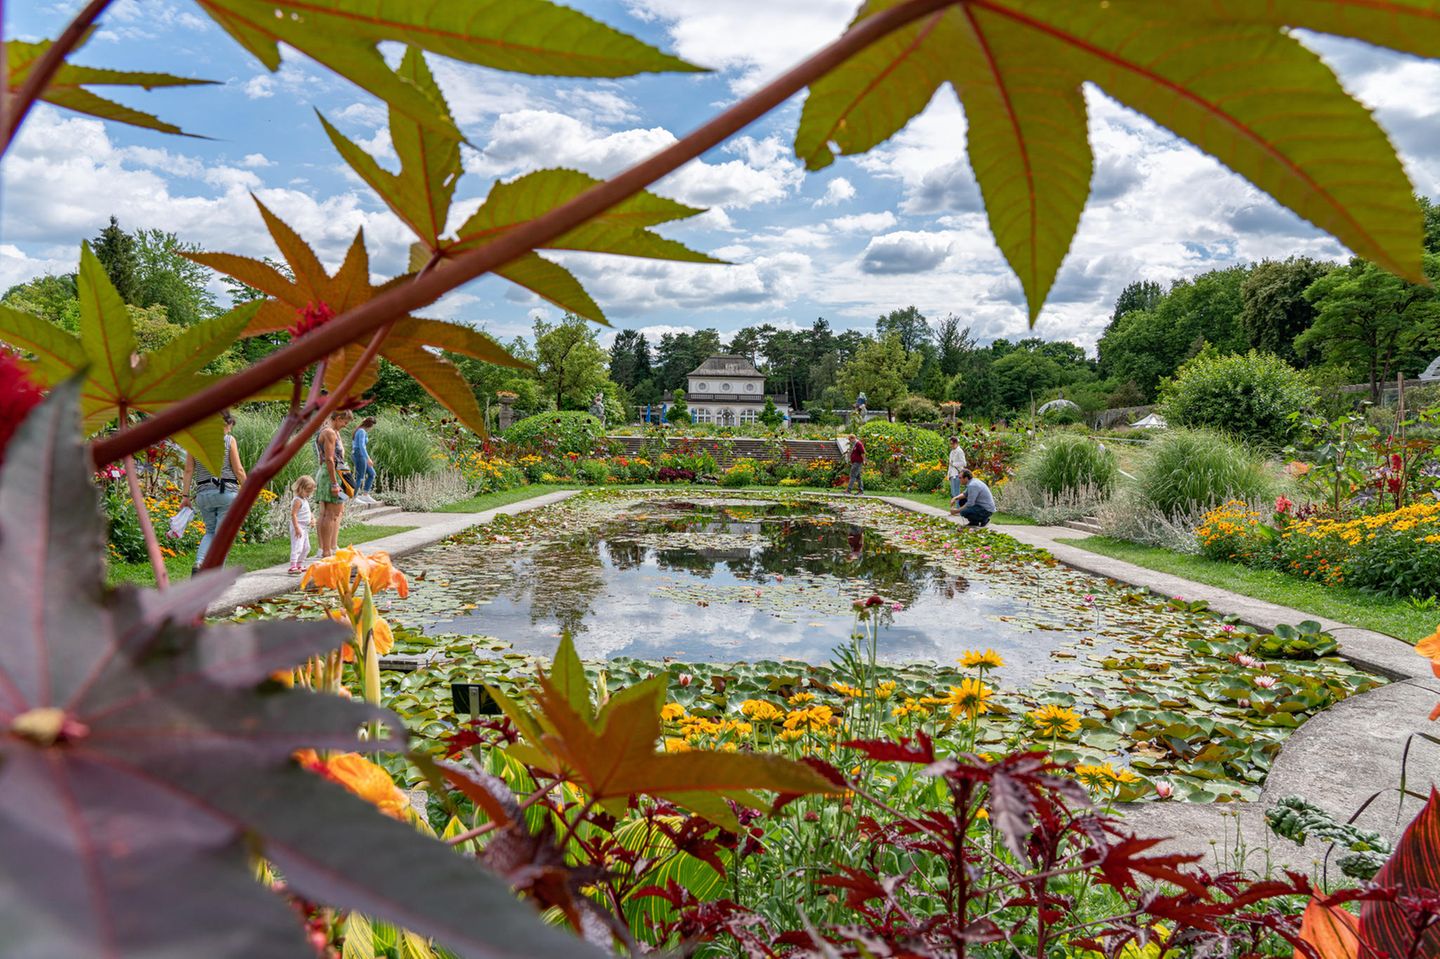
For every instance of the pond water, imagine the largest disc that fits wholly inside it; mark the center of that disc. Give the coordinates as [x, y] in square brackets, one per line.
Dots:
[727, 580]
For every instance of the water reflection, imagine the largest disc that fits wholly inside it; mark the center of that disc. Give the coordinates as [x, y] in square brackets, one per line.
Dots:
[708, 583]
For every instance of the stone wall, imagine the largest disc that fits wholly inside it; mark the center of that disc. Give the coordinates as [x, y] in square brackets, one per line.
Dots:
[728, 450]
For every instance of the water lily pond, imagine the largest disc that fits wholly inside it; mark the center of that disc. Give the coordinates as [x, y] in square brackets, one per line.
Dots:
[751, 597]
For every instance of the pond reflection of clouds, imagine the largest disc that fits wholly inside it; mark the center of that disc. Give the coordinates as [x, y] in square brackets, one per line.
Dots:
[707, 586]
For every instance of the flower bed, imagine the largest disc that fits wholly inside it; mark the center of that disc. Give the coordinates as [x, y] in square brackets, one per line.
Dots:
[1396, 553]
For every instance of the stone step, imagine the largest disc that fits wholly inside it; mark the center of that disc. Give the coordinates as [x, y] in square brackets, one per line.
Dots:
[1087, 525]
[368, 513]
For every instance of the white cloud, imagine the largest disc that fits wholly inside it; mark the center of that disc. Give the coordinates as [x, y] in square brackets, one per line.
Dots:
[864, 222]
[837, 191]
[905, 252]
[256, 161]
[259, 87]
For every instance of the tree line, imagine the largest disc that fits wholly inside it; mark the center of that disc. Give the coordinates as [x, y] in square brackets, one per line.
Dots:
[1343, 322]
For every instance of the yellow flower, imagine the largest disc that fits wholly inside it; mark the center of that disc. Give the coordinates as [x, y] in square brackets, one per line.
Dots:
[362, 777]
[675, 745]
[813, 718]
[671, 712]
[1124, 776]
[800, 698]
[969, 698]
[761, 711]
[1095, 776]
[989, 659]
[1054, 721]
[911, 707]
[885, 690]
[844, 689]
[790, 735]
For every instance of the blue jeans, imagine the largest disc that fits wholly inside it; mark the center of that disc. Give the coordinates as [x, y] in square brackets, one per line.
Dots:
[976, 515]
[364, 478]
[211, 505]
[954, 487]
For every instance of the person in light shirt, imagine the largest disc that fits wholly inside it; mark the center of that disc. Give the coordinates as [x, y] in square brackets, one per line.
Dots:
[975, 504]
[956, 466]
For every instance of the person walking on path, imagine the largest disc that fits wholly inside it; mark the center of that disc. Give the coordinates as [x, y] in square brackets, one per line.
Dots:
[857, 466]
[955, 467]
[975, 505]
[301, 519]
[329, 482]
[211, 494]
[363, 465]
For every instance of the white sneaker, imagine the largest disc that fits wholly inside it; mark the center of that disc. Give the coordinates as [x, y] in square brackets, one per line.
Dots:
[367, 499]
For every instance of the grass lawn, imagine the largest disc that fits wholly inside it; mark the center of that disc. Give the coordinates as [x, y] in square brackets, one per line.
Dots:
[1394, 617]
[249, 555]
[479, 504]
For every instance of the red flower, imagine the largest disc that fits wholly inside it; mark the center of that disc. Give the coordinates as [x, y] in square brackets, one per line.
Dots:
[874, 601]
[311, 318]
[1395, 461]
[18, 396]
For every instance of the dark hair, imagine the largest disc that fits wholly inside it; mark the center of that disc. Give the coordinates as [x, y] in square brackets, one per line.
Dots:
[954, 439]
[967, 474]
[367, 422]
[227, 417]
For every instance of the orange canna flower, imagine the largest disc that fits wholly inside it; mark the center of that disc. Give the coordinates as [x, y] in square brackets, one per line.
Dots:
[362, 777]
[1430, 645]
[375, 568]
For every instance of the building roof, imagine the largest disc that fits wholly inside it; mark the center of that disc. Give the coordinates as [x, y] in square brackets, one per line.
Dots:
[726, 365]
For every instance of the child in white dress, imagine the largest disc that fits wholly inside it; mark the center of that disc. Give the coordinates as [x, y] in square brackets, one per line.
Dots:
[301, 519]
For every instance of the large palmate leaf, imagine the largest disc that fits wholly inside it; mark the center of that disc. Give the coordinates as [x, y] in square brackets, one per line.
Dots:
[409, 343]
[421, 192]
[68, 87]
[145, 760]
[522, 36]
[611, 753]
[1220, 75]
[115, 374]
[1414, 869]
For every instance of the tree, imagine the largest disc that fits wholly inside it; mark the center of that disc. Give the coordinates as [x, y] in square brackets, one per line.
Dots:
[1018, 378]
[115, 249]
[909, 324]
[771, 415]
[1373, 322]
[952, 341]
[165, 278]
[1139, 295]
[55, 298]
[679, 353]
[678, 411]
[1431, 213]
[880, 370]
[1274, 310]
[629, 358]
[569, 361]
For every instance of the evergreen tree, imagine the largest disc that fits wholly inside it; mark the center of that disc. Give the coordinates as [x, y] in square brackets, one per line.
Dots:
[679, 412]
[115, 249]
[771, 415]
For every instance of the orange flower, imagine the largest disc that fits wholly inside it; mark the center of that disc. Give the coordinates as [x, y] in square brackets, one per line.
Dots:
[380, 635]
[335, 572]
[1430, 646]
[362, 777]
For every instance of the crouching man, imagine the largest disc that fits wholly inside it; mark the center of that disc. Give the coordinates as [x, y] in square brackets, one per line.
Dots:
[974, 503]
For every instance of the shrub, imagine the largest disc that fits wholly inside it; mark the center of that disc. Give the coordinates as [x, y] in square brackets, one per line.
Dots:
[556, 433]
[771, 415]
[594, 472]
[1252, 397]
[428, 492]
[924, 477]
[1065, 462]
[678, 411]
[672, 474]
[401, 451]
[917, 409]
[893, 447]
[1189, 471]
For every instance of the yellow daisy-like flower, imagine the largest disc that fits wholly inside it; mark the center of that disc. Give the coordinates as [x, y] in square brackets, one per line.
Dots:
[910, 707]
[989, 659]
[969, 698]
[845, 689]
[761, 711]
[1124, 777]
[1095, 776]
[813, 718]
[674, 744]
[885, 690]
[1053, 722]
[799, 699]
[790, 735]
[670, 712]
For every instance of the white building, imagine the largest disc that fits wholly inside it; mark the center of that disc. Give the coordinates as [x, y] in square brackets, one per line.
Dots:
[728, 391]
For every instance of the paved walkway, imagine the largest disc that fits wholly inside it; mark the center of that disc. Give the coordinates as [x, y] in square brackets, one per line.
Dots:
[430, 528]
[1338, 759]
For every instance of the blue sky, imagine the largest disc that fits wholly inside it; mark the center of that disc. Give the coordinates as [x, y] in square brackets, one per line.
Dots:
[898, 226]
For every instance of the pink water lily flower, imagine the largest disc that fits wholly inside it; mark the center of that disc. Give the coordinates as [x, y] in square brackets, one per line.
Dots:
[1265, 682]
[1163, 789]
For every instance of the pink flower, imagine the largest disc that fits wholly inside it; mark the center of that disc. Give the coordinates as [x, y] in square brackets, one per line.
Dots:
[1228, 627]
[684, 679]
[1249, 662]
[779, 578]
[1283, 505]
[1089, 598]
[1163, 789]
[311, 317]
[896, 607]
[1265, 682]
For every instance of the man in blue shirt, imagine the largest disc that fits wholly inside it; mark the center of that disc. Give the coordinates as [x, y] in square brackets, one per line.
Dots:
[974, 503]
[364, 466]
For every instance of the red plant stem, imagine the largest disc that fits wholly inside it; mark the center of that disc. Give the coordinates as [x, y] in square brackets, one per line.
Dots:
[45, 69]
[152, 544]
[274, 460]
[402, 299]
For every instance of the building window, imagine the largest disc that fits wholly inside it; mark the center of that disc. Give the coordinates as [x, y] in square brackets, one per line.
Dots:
[747, 417]
[702, 414]
[725, 387]
[749, 387]
[700, 387]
